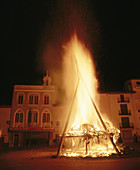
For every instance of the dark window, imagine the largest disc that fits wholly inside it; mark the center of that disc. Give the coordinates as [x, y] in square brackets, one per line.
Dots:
[125, 122]
[17, 118]
[44, 117]
[20, 99]
[21, 117]
[30, 99]
[138, 83]
[48, 117]
[29, 116]
[46, 99]
[36, 100]
[46, 82]
[124, 109]
[122, 98]
[35, 117]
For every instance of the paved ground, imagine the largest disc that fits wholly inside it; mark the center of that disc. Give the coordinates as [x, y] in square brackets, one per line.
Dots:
[41, 159]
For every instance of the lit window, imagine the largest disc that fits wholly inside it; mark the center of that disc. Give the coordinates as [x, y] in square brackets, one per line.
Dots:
[46, 99]
[20, 99]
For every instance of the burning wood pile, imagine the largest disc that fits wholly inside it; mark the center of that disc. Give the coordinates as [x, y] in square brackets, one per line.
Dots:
[88, 141]
[86, 132]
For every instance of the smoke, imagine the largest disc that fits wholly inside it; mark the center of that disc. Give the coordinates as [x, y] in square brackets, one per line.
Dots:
[64, 17]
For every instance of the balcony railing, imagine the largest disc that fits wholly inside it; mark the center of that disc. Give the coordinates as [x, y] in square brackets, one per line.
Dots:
[125, 113]
[131, 125]
[125, 100]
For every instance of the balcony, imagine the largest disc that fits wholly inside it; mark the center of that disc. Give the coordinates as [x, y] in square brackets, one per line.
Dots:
[125, 113]
[122, 126]
[125, 100]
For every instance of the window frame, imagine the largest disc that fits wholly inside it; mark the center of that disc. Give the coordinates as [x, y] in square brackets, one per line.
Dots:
[33, 98]
[46, 99]
[19, 117]
[20, 95]
[35, 119]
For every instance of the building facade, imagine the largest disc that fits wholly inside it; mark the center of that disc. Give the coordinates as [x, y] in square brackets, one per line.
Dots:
[4, 121]
[37, 119]
[123, 110]
[32, 112]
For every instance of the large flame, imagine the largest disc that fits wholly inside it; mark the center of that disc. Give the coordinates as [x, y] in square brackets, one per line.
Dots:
[79, 66]
[80, 79]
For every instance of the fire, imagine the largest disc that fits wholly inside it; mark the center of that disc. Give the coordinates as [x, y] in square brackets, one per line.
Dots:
[85, 133]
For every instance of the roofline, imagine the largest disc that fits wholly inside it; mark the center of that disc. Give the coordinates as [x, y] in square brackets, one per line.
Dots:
[6, 106]
[119, 92]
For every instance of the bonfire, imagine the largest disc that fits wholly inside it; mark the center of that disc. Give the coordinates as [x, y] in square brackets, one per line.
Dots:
[87, 132]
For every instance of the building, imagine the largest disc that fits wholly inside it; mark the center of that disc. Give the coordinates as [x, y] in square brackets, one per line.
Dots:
[37, 119]
[123, 110]
[32, 115]
[4, 120]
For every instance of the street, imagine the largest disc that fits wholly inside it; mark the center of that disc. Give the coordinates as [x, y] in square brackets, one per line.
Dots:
[41, 159]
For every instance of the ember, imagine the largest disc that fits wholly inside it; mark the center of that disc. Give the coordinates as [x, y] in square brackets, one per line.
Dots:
[86, 132]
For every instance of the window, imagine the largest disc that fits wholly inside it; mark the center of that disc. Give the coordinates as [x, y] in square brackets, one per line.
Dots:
[124, 109]
[30, 99]
[35, 117]
[46, 99]
[19, 117]
[44, 118]
[48, 117]
[138, 83]
[122, 98]
[36, 100]
[20, 99]
[33, 99]
[125, 122]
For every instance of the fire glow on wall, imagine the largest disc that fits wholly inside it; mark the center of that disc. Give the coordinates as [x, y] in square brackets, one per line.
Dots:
[86, 132]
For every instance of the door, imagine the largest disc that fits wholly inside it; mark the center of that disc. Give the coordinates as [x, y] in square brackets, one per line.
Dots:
[16, 140]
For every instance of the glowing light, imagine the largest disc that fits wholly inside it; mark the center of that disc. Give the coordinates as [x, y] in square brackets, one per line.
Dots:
[85, 134]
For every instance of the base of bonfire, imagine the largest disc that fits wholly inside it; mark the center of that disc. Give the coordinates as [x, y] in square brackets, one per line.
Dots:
[86, 141]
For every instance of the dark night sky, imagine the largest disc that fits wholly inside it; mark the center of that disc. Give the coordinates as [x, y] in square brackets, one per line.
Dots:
[30, 28]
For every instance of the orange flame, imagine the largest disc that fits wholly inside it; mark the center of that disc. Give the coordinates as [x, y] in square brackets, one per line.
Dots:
[78, 64]
[80, 77]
